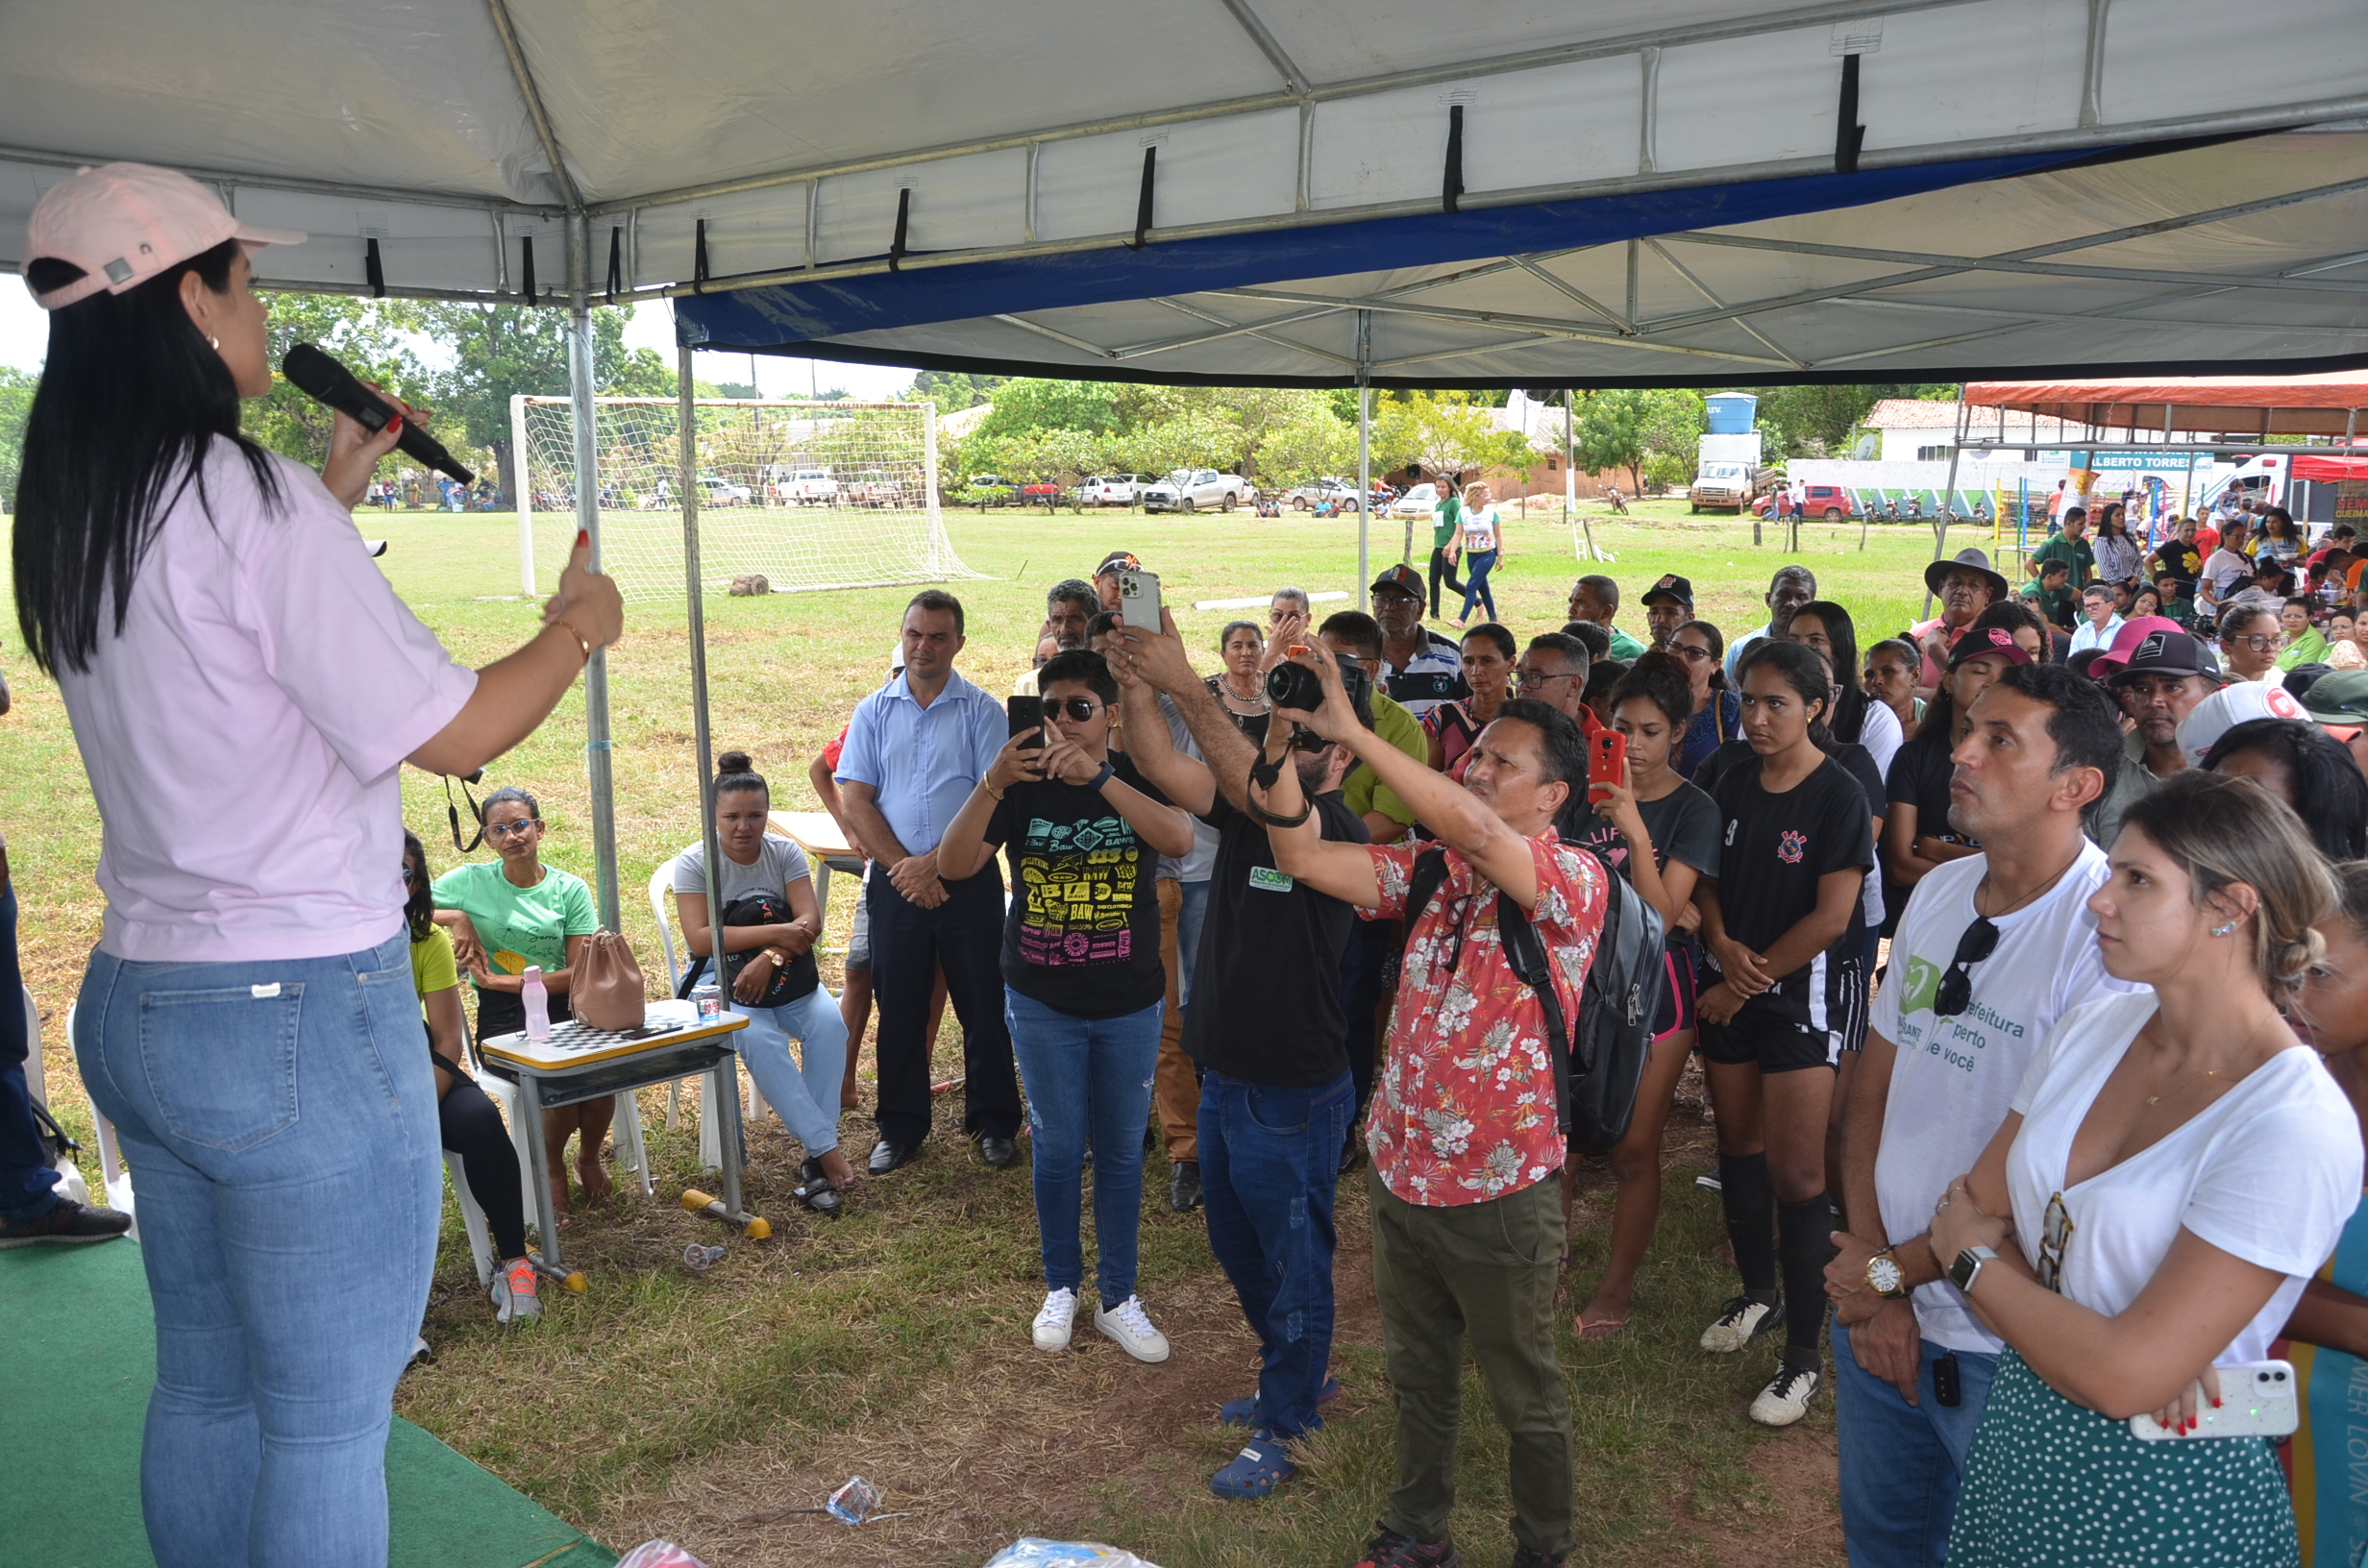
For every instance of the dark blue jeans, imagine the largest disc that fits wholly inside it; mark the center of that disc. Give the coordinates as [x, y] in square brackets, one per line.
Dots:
[1089, 1086]
[26, 1180]
[1268, 1162]
[1902, 1464]
[964, 936]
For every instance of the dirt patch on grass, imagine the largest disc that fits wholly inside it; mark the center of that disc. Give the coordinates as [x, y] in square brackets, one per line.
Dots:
[1797, 1522]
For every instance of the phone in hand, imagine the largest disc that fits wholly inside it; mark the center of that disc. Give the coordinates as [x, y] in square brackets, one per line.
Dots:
[2257, 1399]
[1607, 759]
[1024, 712]
[1138, 600]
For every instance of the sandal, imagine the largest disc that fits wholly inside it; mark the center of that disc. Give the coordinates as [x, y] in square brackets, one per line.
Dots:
[817, 1193]
[1243, 1411]
[1257, 1470]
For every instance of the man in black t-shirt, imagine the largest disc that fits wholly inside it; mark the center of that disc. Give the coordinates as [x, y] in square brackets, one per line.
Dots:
[1268, 1194]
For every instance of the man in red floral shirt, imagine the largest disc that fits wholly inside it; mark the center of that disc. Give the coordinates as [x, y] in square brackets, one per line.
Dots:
[1465, 1129]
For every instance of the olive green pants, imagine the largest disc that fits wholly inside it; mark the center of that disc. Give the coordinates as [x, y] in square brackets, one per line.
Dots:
[1483, 1273]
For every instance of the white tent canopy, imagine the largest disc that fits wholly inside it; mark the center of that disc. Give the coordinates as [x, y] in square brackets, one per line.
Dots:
[1641, 189]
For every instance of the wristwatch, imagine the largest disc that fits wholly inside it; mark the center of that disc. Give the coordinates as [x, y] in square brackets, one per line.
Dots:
[1884, 1277]
[1968, 1267]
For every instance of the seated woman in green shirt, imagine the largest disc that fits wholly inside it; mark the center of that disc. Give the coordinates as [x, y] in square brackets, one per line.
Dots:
[507, 914]
[471, 1126]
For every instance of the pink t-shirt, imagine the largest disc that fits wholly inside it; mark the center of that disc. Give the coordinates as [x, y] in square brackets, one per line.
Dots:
[1931, 675]
[243, 733]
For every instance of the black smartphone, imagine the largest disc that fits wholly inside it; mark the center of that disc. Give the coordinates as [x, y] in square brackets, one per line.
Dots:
[1026, 712]
[1947, 1387]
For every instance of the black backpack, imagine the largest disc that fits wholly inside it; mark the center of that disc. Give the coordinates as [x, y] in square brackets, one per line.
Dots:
[1595, 1085]
[798, 978]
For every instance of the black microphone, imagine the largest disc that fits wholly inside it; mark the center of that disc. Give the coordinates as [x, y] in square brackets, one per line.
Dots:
[325, 382]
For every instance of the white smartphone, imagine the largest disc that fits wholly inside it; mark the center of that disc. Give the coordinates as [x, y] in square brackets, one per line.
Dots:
[1139, 598]
[2257, 1399]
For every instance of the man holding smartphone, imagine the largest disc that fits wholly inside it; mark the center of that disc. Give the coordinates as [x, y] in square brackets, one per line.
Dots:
[1991, 949]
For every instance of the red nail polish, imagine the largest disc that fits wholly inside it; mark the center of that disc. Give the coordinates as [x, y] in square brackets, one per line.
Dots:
[583, 538]
[2215, 1403]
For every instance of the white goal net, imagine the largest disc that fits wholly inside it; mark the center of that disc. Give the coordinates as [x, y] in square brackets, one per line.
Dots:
[811, 496]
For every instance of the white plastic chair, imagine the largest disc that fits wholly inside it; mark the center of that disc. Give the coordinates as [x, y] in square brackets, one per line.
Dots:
[472, 1220]
[711, 1136]
[113, 1177]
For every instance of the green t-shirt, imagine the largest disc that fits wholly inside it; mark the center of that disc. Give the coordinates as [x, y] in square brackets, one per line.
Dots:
[1623, 646]
[1446, 518]
[2075, 553]
[520, 925]
[2056, 605]
[1363, 789]
[2180, 610]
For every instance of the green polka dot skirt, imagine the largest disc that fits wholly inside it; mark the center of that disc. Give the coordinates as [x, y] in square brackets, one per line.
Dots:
[2048, 1483]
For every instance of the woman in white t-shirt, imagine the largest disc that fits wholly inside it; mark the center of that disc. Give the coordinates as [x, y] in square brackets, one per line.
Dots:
[245, 685]
[1481, 545]
[769, 962]
[2175, 1166]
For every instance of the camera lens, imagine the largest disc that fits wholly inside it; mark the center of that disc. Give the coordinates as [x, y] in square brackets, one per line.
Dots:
[1295, 686]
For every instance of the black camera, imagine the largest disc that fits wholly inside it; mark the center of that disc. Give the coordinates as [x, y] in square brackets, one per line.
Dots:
[1291, 685]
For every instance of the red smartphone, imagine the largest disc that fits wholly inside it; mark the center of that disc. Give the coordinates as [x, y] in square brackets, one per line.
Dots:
[1607, 759]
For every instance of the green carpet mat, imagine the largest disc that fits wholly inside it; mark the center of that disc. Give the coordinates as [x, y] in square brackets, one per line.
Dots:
[77, 1357]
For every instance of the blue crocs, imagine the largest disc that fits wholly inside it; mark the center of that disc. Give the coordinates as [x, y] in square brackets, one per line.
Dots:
[1243, 1411]
[1257, 1470]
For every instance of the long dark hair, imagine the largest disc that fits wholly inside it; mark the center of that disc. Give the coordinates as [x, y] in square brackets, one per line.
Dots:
[418, 902]
[130, 402]
[1717, 640]
[2319, 773]
[1848, 719]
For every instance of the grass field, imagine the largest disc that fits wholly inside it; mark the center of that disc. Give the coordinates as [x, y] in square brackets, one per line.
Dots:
[893, 1341]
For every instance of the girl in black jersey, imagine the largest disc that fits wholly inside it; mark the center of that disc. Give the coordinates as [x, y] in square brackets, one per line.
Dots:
[1795, 843]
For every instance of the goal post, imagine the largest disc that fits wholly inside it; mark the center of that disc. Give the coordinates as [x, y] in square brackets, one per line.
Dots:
[810, 496]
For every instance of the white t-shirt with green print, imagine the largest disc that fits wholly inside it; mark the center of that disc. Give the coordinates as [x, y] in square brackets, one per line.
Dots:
[1954, 1077]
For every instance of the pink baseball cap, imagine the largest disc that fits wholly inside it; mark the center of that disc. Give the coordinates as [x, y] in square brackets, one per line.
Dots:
[2133, 631]
[124, 223]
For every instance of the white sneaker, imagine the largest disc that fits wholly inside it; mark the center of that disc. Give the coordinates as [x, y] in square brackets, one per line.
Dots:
[1786, 1398]
[1131, 1327]
[1056, 1320]
[1739, 1323]
[515, 1295]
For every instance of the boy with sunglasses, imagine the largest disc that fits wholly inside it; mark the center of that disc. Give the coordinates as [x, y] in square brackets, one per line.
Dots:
[1991, 949]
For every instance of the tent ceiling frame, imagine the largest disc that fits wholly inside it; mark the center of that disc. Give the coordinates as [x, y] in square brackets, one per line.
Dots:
[498, 11]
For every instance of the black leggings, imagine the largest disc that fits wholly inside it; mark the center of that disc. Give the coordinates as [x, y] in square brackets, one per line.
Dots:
[474, 1129]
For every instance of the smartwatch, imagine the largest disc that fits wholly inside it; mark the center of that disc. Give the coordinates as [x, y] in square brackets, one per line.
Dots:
[1102, 778]
[1884, 1277]
[1968, 1267]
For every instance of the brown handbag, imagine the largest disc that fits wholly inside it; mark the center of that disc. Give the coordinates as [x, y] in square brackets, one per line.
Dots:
[607, 991]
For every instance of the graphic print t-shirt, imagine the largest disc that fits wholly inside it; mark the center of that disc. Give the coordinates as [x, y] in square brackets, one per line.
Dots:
[1773, 852]
[518, 926]
[1082, 936]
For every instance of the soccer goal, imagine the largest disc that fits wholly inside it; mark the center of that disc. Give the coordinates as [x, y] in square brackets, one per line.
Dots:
[811, 496]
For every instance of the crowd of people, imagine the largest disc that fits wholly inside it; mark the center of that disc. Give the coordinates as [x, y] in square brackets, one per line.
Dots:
[2024, 949]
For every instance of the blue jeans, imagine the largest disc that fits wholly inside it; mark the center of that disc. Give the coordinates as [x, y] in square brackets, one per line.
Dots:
[1478, 563]
[1270, 1158]
[27, 1182]
[280, 1120]
[1901, 1463]
[1191, 913]
[804, 1091]
[1086, 1078]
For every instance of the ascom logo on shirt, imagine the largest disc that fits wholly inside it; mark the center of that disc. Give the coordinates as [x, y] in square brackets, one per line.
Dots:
[1920, 986]
[1791, 847]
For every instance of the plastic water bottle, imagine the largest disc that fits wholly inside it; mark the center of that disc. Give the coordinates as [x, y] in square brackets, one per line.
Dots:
[854, 1503]
[700, 1258]
[537, 1002]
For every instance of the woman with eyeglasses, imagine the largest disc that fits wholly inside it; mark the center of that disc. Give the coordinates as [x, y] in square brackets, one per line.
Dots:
[1669, 837]
[1084, 987]
[1780, 914]
[1241, 687]
[1718, 712]
[244, 686]
[2249, 639]
[2327, 1333]
[2174, 1167]
[471, 1125]
[1489, 652]
[507, 914]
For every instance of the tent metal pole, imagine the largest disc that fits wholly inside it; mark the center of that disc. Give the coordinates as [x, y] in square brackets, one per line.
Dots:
[598, 757]
[1365, 461]
[1940, 523]
[703, 744]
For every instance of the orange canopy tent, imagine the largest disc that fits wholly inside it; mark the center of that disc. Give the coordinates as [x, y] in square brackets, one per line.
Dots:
[2259, 407]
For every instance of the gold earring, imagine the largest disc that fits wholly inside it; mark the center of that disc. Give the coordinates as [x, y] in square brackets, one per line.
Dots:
[212, 342]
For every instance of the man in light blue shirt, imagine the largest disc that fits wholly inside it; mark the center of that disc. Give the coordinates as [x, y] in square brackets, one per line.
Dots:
[915, 751]
[2098, 622]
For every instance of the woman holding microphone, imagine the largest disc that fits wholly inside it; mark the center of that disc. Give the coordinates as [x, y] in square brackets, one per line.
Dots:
[244, 686]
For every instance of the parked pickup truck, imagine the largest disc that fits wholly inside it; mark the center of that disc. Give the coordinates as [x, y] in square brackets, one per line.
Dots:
[807, 487]
[1341, 495]
[1188, 490]
[873, 488]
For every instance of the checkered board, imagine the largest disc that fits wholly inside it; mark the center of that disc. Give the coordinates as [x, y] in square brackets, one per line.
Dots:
[577, 1045]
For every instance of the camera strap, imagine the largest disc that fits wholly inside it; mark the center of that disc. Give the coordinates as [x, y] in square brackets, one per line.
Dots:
[1263, 774]
[452, 814]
